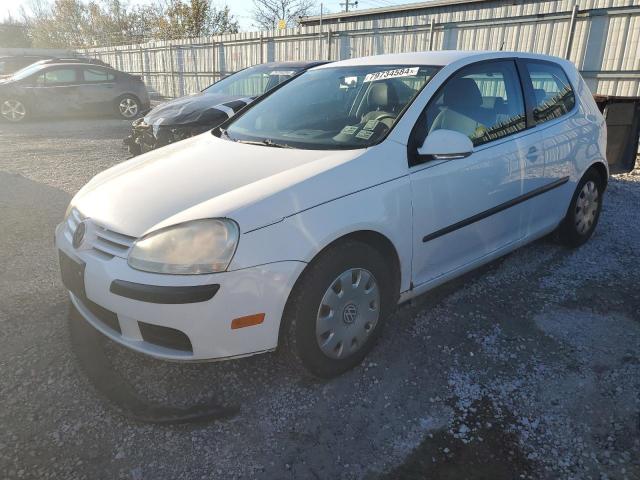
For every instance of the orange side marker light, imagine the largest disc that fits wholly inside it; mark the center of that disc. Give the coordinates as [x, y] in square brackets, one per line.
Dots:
[247, 321]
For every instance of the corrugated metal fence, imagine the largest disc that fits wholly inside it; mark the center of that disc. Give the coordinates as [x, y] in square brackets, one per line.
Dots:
[602, 37]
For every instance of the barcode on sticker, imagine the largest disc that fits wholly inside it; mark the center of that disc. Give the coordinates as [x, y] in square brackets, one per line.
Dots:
[364, 134]
[349, 130]
[395, 73]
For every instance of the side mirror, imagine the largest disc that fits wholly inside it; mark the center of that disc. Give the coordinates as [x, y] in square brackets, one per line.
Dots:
[445, 145]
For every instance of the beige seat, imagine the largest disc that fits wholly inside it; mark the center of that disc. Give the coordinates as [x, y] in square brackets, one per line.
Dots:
[381, 101]
[462, 109]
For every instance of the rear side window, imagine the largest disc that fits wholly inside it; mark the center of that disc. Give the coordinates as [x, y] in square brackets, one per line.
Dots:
[97, 75]
[483, 101]
[553, 95]
[61, 75]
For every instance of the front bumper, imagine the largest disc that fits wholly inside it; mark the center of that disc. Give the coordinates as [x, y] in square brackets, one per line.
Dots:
[197, 331]
[145, 137]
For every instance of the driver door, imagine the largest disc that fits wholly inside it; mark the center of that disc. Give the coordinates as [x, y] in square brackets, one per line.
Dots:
[55, 91]
[461, 207]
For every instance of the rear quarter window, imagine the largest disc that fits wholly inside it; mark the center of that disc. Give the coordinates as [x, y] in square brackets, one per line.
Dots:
[553, 95]
[97, 75]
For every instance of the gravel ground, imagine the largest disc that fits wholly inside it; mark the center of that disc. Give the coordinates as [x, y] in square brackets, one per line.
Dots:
[528, 368]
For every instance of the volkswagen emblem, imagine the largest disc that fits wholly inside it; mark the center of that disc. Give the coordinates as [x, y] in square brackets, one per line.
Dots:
[350, 313]
[78, 235]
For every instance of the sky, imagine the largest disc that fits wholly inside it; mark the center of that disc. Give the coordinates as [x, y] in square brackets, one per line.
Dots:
[240, 8]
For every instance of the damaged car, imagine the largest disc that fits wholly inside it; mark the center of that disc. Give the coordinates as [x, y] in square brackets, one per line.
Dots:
[193, 114]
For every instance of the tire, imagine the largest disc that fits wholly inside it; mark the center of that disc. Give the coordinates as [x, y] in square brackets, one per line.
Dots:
[13, 110]
[584, 211]
[320, 326]
[127, 106]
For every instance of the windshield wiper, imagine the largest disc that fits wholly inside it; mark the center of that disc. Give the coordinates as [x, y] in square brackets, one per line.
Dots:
[267, 142]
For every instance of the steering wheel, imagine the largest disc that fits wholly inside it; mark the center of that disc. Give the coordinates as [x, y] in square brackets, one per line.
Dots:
[383, 116]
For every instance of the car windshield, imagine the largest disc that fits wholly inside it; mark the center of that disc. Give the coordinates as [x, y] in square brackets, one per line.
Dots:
[252, 81]
[332, 108]
[26, 71]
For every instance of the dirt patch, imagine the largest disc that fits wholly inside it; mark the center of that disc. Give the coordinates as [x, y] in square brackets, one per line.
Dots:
[493, 454]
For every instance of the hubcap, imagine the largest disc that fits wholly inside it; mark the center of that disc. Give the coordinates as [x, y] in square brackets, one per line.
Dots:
[586, 207]
[13, 110]
[128, 107]
[348, 313]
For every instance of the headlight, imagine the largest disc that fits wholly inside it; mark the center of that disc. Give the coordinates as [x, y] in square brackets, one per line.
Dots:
[190, 248]
[68, 211]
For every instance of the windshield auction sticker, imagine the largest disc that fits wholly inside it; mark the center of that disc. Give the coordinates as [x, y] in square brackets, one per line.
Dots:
[364, 134]
[282, 73]
[371, 125]
[349, 130]
[395, 73]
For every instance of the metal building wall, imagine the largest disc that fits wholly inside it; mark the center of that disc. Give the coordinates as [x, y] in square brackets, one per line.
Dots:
[606, 42]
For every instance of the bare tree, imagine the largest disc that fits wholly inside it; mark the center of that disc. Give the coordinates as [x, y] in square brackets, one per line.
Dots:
[267, 13]
[13, 33]
[82, 23]
[194, 18]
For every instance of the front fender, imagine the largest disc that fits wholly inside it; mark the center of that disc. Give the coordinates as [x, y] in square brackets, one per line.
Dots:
[384, 208]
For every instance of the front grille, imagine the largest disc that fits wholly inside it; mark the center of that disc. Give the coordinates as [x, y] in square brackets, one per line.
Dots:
[165, 337]
[106, 243]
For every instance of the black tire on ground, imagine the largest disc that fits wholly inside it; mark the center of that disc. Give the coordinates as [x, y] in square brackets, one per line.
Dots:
[300, 340]
[13, 110]
[127, 106]
[584, 211]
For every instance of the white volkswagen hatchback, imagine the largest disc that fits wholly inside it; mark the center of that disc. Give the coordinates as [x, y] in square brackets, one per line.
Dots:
[305, 219]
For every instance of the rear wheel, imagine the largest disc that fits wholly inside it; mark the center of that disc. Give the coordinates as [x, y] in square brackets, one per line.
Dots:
[13, 110]
[584, 211]
[128, 106]
[337, 309]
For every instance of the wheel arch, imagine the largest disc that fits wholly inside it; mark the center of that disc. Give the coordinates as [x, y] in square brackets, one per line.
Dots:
[127, 94]
[373, 238]
[601, 169]
[121, 95]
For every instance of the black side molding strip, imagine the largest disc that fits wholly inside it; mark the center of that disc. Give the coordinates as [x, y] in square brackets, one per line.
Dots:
[496, 209]
[164, 295]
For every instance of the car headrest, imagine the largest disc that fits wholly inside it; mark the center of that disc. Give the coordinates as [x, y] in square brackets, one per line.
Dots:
[462, 92]
[381, 95]
[540, 95]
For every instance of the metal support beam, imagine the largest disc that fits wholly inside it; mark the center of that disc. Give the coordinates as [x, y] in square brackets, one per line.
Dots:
[431, 25]
[572, 31]
[261, 48]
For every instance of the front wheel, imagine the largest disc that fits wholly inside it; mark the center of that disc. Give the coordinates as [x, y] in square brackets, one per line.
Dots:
[337, 309]
[584, 211]
[13, 110]
[128, 106]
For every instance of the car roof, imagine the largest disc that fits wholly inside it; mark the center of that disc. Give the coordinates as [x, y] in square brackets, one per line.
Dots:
[4, 57]
[296, 64]
[73, 64]
[436, 58]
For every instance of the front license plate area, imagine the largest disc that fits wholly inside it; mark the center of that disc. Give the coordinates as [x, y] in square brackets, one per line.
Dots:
[72, 272]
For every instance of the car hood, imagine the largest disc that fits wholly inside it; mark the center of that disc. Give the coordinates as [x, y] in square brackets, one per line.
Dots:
[198, 109]
[205, 177]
